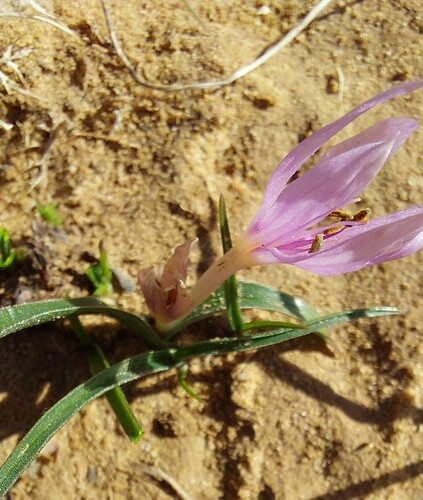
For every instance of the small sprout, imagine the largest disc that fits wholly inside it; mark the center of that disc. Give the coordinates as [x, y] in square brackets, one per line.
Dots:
[100, 275]
[182, 374]
[50, 214]
[7, 254]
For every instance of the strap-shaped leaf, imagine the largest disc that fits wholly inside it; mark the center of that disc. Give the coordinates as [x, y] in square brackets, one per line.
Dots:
[143, 364]
[251, 296]
[116, 397]
[15, 318]
[230, 286]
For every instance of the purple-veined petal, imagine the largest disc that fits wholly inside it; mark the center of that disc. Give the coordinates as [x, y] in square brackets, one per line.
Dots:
[295, 158]
[339, 177]
[387, 238]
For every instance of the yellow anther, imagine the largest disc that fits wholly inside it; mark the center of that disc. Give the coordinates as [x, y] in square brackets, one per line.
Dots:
[333, 230]
[317, 243]
[362, 215]
[341, 215]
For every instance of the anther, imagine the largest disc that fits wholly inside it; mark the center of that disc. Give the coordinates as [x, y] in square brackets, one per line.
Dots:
[333, 230]
[362, 215]
[341, 215]
[317, 243]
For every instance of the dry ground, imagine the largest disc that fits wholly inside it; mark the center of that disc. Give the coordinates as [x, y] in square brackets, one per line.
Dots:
[143, 170]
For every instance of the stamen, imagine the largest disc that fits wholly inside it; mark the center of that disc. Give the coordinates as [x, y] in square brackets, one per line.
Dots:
[333, 230]
[341, 215]
[362, 215]
[317, 243]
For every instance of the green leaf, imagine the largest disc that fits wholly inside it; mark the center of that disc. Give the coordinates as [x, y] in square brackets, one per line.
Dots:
[267, 325]
[101, 275]
[52, 420]
[256, 296]
[251, 296]
[15, 318]
[230, 286]
[116, 397]
[50, 214]
[182, 374]
[7, 254]
[141, 365]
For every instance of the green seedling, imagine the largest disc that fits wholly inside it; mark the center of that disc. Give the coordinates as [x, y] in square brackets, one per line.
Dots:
[182, 375]
[50, 214]
[7, 253]
[100, 275]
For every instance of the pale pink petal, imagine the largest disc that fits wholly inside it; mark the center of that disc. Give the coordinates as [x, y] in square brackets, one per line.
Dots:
[295, 159]
[176, 268]
[339, 177]
[164, 287]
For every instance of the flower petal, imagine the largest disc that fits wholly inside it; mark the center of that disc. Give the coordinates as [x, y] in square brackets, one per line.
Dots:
[339, 177]
[295, 159]
[387, 238]
[164, 288]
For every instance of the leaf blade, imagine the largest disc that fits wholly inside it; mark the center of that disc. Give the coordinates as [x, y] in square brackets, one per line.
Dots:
[251, 296]
[21, 316]
[148, 363]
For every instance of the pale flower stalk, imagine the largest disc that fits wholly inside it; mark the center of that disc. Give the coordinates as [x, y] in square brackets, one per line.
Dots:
[300, 223]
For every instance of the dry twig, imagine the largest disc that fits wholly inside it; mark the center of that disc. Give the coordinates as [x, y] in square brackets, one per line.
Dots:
[161, 475]
[341, 83]
[43, 163]
[267, 54]
[42, 15]
[6, 126]
[8, 59]
[43, 18]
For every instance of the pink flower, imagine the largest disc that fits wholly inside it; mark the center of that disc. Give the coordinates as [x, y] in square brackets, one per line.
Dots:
[292, 226]
[284, 228]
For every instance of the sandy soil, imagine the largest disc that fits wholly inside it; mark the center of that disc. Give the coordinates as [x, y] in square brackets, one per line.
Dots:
[143, 170]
